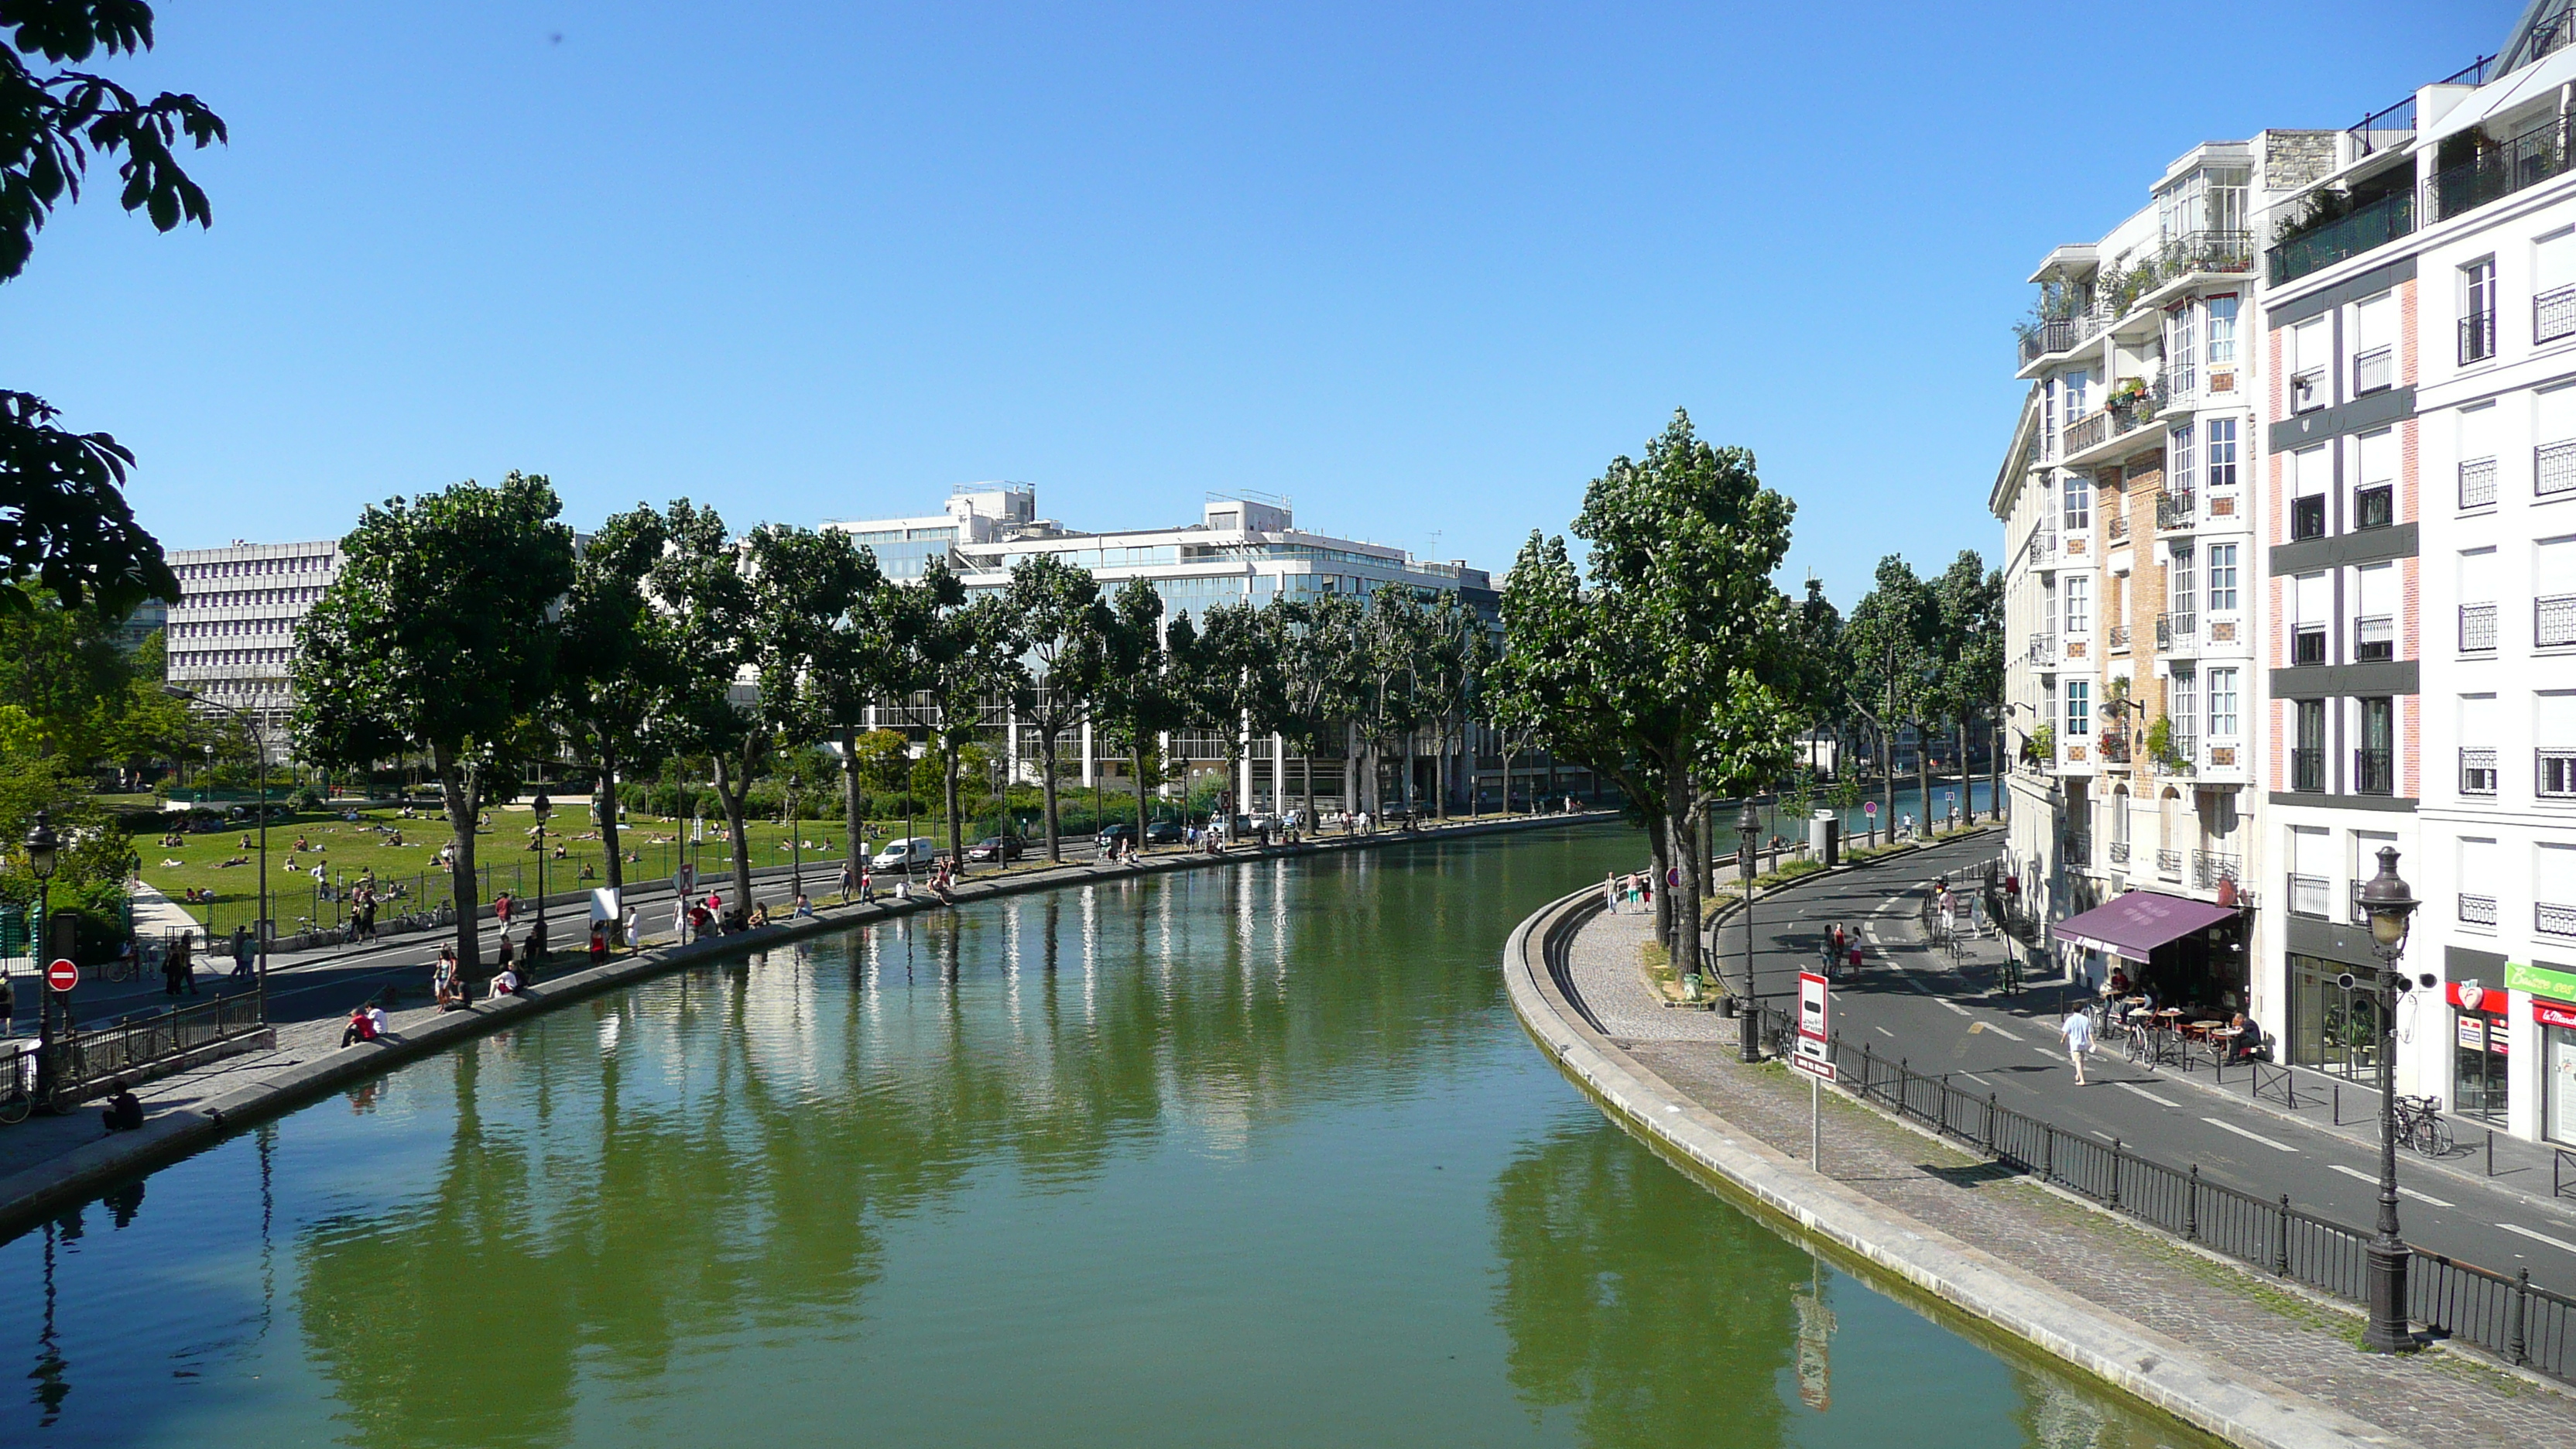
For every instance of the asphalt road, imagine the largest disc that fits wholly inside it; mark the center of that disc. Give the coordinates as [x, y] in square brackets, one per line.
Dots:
[1910, 1005]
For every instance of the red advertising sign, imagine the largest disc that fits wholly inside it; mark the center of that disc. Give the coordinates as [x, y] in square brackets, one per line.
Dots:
[2548, 1014]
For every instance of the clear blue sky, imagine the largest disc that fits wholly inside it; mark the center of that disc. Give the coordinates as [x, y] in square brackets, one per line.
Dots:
[1423, 268]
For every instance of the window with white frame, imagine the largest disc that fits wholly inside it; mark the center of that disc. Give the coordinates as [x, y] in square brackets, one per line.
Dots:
[2374, 625]
[2374, 339]
[2182, 459]
[2553, 889]
[2221, 342]
[2478, 456]
[2182, 707]
[2477, 311]
[2311, 615]
[2553, 738]
[2079, 603]
[2478, 734]
[2308, 359]
[2310, 469]
[2048, 419]
[2181, 351]
[2222, 577]
[2553, 592]
[2222, 703]
[2478, 865]
[2553, 287]
[2477, 581]
[2182, 583]
[2222, 451]
[2553, 456]
[2374, 490]
[2078, 382]
[2079, 708]
[2078, 509]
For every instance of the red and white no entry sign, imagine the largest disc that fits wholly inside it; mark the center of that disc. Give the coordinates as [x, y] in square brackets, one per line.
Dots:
[62, 976]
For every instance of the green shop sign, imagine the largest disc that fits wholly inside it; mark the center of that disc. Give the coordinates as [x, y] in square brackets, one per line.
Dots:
[2540, 981]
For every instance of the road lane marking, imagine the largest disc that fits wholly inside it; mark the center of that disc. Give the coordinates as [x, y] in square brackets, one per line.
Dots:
[2403, 1191]
[1990, 1026]
[1882, 1031]
[1980, 1081]
[2561, 1244]
[2150, 1096]
[2249, 1136]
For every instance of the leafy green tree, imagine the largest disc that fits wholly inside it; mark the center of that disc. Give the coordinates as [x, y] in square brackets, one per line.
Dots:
[64, 521]
[1970, 600]
[1394, 640]
[1056, 610]
[1231, 678]
[964, 652]
[859, 659]
[1677, 638]
[1318, 644]
[438, 637]
[617, 661]
[1136, 703]
[1892, 649]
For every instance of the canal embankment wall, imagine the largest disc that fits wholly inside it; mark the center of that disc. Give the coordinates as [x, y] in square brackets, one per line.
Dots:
[170, 1132]
[2196, 1389]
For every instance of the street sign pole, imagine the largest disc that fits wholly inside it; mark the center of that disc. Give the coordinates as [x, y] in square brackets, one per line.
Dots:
[1813, 1054]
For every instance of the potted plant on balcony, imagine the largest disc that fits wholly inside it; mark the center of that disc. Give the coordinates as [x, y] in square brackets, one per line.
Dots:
[2130, 396]
[2161, 748]
[2039, 747]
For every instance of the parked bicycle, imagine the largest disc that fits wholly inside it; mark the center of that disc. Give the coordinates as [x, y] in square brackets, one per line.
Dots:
[2420, 1125]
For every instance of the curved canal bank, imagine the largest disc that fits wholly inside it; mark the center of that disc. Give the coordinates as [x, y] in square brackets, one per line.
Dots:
[1253, 1155]
[2209, 1382]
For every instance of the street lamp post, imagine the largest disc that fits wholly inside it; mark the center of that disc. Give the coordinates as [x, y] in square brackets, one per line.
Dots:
[2390, 906]
[259, 748]
[542, 807]
[41, 848]
[1748, 1022]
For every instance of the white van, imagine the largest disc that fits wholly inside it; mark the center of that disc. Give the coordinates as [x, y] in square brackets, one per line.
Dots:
[905, 855]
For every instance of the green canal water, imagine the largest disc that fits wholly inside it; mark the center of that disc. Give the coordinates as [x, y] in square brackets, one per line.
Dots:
[1254, 1156]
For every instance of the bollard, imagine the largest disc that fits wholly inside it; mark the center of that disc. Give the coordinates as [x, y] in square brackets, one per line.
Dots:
[1990, 1125]
[2515, 1348]
[2115, 1172]
[2281, 1239]
[2191, 1208]
[2491, 1152]
[2048, 1153]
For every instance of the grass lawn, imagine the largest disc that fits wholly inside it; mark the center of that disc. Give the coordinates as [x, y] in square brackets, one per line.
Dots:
[348, 850]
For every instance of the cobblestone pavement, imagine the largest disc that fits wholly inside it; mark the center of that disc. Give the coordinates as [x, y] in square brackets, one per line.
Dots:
[2439, 1399]
[1608, 976]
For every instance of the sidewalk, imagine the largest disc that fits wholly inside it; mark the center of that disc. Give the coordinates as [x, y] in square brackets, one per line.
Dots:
[2122, 1274]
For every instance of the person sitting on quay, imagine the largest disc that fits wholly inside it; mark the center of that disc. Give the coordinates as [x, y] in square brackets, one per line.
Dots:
[804, 907]
[360, 1027]
[504, 984]
[2247, 1045]
[381, 1024]
[598, 942]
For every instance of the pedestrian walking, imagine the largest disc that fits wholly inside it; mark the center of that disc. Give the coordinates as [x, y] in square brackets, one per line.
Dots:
[634, 924]
[243, 962]
[849, 881]
[2077, 1028]
[8, 1007]
[1610, 892]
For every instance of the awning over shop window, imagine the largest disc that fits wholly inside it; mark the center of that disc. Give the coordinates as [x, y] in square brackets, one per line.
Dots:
[2137, 923]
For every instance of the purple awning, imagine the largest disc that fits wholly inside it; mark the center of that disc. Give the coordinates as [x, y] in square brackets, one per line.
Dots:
[2139, 922]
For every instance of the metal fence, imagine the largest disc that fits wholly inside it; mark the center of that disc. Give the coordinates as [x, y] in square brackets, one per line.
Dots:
[2527, 1326]
[86, 1058]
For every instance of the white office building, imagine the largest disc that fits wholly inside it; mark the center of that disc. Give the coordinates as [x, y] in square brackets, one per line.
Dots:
[231, 636]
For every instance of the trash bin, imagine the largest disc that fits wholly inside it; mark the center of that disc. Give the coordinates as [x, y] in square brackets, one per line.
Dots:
[1825, 838]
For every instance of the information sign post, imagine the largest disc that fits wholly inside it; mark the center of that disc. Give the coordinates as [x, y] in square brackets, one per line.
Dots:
[1813, 1054]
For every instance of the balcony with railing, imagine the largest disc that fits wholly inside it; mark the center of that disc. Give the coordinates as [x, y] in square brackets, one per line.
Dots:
[2477, 628]
[2477, 482]
[2089, 431]
[2115, 747]
[2551, 919]
[2209, 867]
[2310, 896]
[2177, 508]
[2362, 227]
[2555, 773]
[2477, 910]
[2125, 413]
[2374, 506]
[2169, 865]
[2117, 525]
[2374, 772]
[2553, 468]
[2374, 371]
[2308, 644]
[2308, 771]
[2308, 516]
[2043, 649]
[2553, 314]
[2498, 171]
[2374, 639]
[2478, 772]
[2477, 337]
[2117, 638]
[2210, 251]
[2308, 390]
[2050, 336]
[2553, 620]
[2079, 850]
[2178, 633]
[2118, 851]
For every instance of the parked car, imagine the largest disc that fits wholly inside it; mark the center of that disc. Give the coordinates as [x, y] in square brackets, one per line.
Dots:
[912, 854]
[997, 847]
[1111, 836]
[1162, 832]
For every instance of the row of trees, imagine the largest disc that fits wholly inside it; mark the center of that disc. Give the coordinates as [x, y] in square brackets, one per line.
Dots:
[466, 628]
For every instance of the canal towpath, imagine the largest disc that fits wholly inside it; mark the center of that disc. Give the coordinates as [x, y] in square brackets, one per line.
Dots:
[48, 1163]
[2237, 1355]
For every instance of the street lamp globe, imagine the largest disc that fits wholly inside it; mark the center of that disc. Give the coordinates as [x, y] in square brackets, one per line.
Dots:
[542, 806]
[42, 847]
[2390, 904]
[1748, 824]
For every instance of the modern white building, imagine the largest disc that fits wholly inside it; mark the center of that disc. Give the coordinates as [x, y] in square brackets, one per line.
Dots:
[231, 636]
[1243, 548]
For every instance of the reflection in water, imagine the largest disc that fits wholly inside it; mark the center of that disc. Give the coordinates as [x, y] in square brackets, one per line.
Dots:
[1242, 1154]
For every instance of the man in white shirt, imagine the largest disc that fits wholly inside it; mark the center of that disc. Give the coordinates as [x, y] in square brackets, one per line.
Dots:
[2077, 1028]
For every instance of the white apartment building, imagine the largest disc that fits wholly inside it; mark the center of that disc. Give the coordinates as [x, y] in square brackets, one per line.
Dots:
[2471, 270]
[231, 636]
[1244, 548]
[2129, 504]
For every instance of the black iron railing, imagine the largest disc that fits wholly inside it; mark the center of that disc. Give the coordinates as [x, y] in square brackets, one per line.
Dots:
[2477, 772]
[2307, 770]
[2308, 516]
[2477, 910]
[2374, 772]
[2477, 337]
[2119, 851]
[2527, 1326]
[2308, 644]
[2477, 628]
[2177, 633]
[2169, 864]
[2372, 224]
[2553, 314]
[2499, 171]
[2553, 468]
[2054, 334]
[84, 1059]
[2477, 482]
[2118, 639]
[2375, 506]
[2551, 919]
[2556, 773]
[2209, 867]
[2311, 896]
[2210, 251]
[2553, 620]
[2374, 639]
[2176, 508]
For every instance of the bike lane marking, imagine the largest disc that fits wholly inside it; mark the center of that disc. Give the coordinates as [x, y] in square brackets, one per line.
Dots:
[2150, 1096]
[2559, 1243]
[2402, 1192]
[2249, 1136]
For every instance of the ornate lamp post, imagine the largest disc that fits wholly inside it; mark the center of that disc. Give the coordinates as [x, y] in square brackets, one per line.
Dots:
[2390, 906]
[542, 807]
[42, 846]
[1748, 1022]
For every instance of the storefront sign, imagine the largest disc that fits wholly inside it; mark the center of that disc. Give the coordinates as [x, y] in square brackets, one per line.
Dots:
[2473, 1032]
[2540, 980]
[2548, 1014]
[2469, 996]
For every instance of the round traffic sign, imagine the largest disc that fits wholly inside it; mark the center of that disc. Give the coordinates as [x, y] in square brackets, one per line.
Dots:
[62, 976]
[1869, 807]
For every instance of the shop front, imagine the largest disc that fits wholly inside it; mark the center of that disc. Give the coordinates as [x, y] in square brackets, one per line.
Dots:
[2334, 1024]
[2552, 993]
[2189, 953]
[2481, 1051]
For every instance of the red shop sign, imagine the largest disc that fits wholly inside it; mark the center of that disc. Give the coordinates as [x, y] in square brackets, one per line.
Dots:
[2471, 997]
[2550, 1013]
